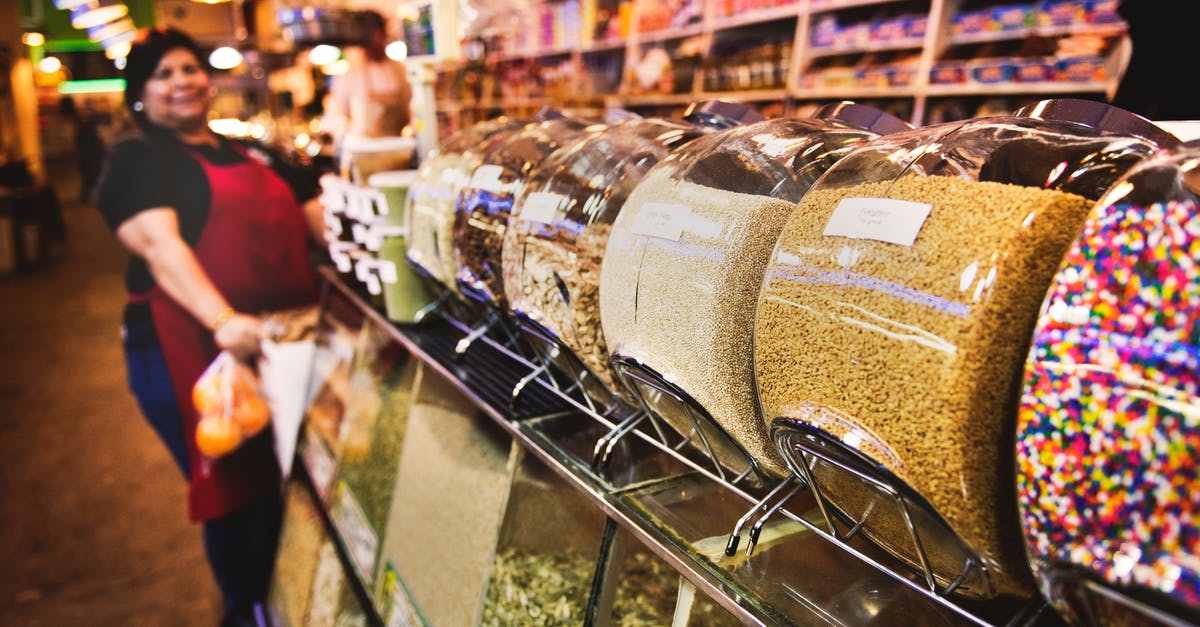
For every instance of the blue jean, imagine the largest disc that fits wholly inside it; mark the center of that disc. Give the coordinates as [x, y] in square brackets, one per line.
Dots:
[240, 546]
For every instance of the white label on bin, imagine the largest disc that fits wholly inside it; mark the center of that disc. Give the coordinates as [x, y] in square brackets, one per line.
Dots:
[361, 541]
[662, 219]
[387, 271]
[882, 219]
[487, 178]
[320, 465]
[359, 231]
[540, 207]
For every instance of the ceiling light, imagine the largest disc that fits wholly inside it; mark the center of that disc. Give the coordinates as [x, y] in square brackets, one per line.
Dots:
[324, 54]
[341, 66]
[396, 51]
[118, 50]
[225, 58]
[33, 40]
[49, 65]
[120, 62]
[110, 30]
[67, 5]
[96, 13]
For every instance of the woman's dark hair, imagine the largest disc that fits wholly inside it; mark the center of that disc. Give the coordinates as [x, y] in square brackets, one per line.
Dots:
[147, 50]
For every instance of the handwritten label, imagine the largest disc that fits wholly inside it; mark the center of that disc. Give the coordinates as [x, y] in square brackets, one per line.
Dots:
[360, 540]
[540, 207]
[662, 219]
[882, 219]
[398, 609]
[320, 465]
[487, 178]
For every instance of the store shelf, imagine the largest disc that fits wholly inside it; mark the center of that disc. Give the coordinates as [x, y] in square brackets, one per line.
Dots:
[536, 53]
[608, 45]
[749, 95]
[650, 100]
[882, 46]
[1099, 30]
[825, 6]
[787, 11]
[853, 93]
[670, 33]
[1015, 89]
[488, 370]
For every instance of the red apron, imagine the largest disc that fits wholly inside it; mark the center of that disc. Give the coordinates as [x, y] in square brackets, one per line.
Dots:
[253, 247]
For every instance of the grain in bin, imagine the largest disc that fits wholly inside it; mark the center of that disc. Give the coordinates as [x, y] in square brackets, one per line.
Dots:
[684, 263]
[1107, 431]
[430, 218]
[556, 237]
[897, 309]
[485, 202]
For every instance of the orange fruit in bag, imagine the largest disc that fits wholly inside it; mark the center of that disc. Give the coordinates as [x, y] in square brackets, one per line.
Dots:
[252, 414]
[217, 435]
[207, 393]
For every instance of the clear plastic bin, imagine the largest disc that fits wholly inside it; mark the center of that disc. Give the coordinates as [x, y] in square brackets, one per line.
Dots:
[1107, 433]
[485, 202]
[430, 219]
[684, 262]
[896, 313]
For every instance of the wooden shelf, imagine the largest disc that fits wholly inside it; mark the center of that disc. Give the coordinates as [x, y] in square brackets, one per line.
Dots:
[825, 6]
[650, 100]
[604, 46]
[883, 46]
[748, 95]
[1015, 89]
[853, 93]
[670, 33]
[1099, 30]
[760, 16]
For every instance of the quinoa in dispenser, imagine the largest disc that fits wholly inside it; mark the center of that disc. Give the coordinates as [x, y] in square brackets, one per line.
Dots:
[896, 313]
[559, 228]
[485, 202]
[683, 267]
[1108, 432]
[430, 218]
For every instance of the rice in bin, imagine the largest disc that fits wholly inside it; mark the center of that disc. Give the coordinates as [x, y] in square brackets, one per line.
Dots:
[685, 260]
[910, 353]
[1108, 437]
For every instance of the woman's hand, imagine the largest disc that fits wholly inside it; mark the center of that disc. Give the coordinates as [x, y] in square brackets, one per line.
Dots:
[241, 335]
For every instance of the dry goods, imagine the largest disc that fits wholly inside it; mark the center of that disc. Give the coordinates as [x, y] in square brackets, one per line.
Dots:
[684, 305]
[911, 353]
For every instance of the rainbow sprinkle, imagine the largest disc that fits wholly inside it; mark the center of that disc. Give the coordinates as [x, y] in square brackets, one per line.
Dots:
[1108, 443]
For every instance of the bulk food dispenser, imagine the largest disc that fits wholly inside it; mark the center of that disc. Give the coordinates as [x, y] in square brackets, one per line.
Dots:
[684, 262]
[556, 237]
[895, 316]
[485, 202]
[430, 219]
[1108, 436]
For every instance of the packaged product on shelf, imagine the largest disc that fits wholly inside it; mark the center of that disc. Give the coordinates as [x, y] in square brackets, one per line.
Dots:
[557, 234]
[896, 312]
[451, 487]
[1107, 435]
[684, 261]
[430, 219]
[296, 560]
[484, 204]
[362, 157]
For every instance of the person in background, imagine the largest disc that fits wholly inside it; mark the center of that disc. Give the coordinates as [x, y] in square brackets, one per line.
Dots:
[372, 99]
[89, 148]
[217, 233]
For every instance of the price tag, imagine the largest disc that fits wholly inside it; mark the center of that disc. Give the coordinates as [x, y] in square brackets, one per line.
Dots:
[360, 540]
[360, 233]
[540, 207]
[398, 609]
[882, 219]
[387, 271]
[362, 269]
[487, 178]
[320, 465]
[662, 219]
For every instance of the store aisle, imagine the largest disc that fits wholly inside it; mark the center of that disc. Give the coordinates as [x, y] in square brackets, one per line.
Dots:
[93, 521]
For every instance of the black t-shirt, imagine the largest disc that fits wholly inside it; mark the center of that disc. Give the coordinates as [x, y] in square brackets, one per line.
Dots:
[155, 169]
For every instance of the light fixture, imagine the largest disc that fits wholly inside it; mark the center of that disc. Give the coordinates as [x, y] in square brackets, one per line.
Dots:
[324, 54]
[396, 51]
[33, 40]
[120, 62]
[341, 66]
[111, 29]
[49, 65]
[225, 58]
[97, 12]
[118, 50]
[67, 5]
[96, 86]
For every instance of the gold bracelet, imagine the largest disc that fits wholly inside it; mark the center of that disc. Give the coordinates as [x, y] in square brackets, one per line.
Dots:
[222, 318]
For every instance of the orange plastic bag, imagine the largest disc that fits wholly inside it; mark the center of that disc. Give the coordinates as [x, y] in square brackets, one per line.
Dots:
[231, 409]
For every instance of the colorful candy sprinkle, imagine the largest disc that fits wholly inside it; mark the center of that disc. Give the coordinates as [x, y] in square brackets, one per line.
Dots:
[1108, 446]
